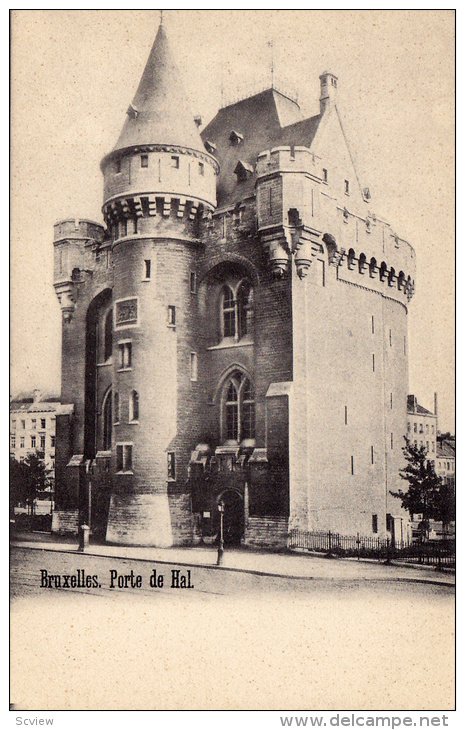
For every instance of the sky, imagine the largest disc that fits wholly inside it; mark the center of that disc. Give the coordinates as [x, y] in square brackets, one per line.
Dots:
[74, 74]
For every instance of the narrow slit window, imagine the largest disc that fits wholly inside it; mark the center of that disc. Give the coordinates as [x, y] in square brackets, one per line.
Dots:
[171, 315]
[147, 268]
[194, 366]
[390, 338]
[124, 457]
[125, 355]
[372, 325]
[171, 466]
[391, 401]
[352, 465]
[374, 523]
[193, 282]
[116, 407]
[134, 406]
[144, 160]
[118, 165]
[346, 187]
[325, 175]
[175, 162]
[392, 440]
[345, 415]
[373, 363]
[201, 169]
[372, 455]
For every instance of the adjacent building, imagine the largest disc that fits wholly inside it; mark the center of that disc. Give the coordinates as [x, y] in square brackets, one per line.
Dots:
[235, 333]
[445, 459]
[33, 427]
[422, 426]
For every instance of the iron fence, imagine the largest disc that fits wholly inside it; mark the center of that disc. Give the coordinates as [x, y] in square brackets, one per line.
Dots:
[440, 554]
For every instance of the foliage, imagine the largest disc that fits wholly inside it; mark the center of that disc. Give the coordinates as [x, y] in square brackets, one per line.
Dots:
[424, 492]
[27, 479]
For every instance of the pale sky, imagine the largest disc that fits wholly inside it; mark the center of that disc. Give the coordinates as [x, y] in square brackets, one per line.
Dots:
[74, 74]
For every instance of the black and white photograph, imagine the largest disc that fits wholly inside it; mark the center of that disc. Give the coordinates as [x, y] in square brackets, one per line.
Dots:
[232, 384]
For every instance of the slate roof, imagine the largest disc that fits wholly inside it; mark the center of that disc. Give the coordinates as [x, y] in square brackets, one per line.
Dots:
[413, 407]
[268, 119]
[160, 112]
[445, 450]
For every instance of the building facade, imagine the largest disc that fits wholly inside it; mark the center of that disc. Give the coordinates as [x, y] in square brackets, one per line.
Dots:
[33, 427]
[422, 426]
[445, 460]
[235, 332]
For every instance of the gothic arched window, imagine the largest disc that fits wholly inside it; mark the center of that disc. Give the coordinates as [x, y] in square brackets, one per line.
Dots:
[134, 406]
[244, 308]
[107, 420]
[239, 408]
[236, 310]
[228, 306]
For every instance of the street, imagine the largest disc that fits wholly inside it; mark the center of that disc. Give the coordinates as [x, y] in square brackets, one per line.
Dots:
[234, 640]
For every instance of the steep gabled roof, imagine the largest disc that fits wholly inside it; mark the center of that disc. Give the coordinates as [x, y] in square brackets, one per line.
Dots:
[160, 112]
[265, 120]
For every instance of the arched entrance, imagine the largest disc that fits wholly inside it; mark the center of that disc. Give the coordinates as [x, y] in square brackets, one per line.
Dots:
[233, 520]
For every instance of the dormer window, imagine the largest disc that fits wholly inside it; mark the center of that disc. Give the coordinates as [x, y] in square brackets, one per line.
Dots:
[236, 137]
[132, 112]
[210, 147]
[243, 170]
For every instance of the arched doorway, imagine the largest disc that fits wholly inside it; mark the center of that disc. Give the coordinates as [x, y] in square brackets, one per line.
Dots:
[233, 520]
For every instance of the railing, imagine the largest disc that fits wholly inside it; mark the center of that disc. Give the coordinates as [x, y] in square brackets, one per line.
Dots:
[440, 554]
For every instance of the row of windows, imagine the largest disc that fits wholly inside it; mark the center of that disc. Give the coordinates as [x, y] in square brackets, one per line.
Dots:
[125, 353]
[372, 455]
[33, 423]
[124, 460]
[445, 465]
[174, 163]
[42, 442]
[420, 428]
[238, 410]
[51, 463]
[427, 444]
[346, 182]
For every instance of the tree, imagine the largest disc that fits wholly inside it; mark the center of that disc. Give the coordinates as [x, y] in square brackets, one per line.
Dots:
[27, 479]
[445, 507]
[423, 494]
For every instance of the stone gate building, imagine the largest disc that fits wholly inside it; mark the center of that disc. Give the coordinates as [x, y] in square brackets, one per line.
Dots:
[235, 331]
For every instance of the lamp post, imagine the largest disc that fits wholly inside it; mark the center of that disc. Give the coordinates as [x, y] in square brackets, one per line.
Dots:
[219, 560]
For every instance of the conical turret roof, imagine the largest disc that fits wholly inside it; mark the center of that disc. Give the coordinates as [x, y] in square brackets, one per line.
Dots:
[159, 113]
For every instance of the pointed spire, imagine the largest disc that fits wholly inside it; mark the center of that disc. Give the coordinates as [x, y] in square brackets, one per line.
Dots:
[159, 112]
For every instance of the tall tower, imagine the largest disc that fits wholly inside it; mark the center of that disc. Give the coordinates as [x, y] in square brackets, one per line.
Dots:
[158, 181]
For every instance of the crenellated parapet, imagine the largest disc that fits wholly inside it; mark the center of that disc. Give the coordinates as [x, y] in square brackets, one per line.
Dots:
[299, 219]
[72, 240]
[123, 214]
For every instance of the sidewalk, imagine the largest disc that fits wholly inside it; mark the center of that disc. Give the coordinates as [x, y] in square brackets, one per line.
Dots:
[290, 565]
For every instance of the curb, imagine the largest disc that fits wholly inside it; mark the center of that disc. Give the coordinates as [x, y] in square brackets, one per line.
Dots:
[28, 546]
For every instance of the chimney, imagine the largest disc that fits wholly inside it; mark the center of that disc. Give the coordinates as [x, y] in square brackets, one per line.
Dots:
[328, 91]
[36, 395]
[435, 404]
